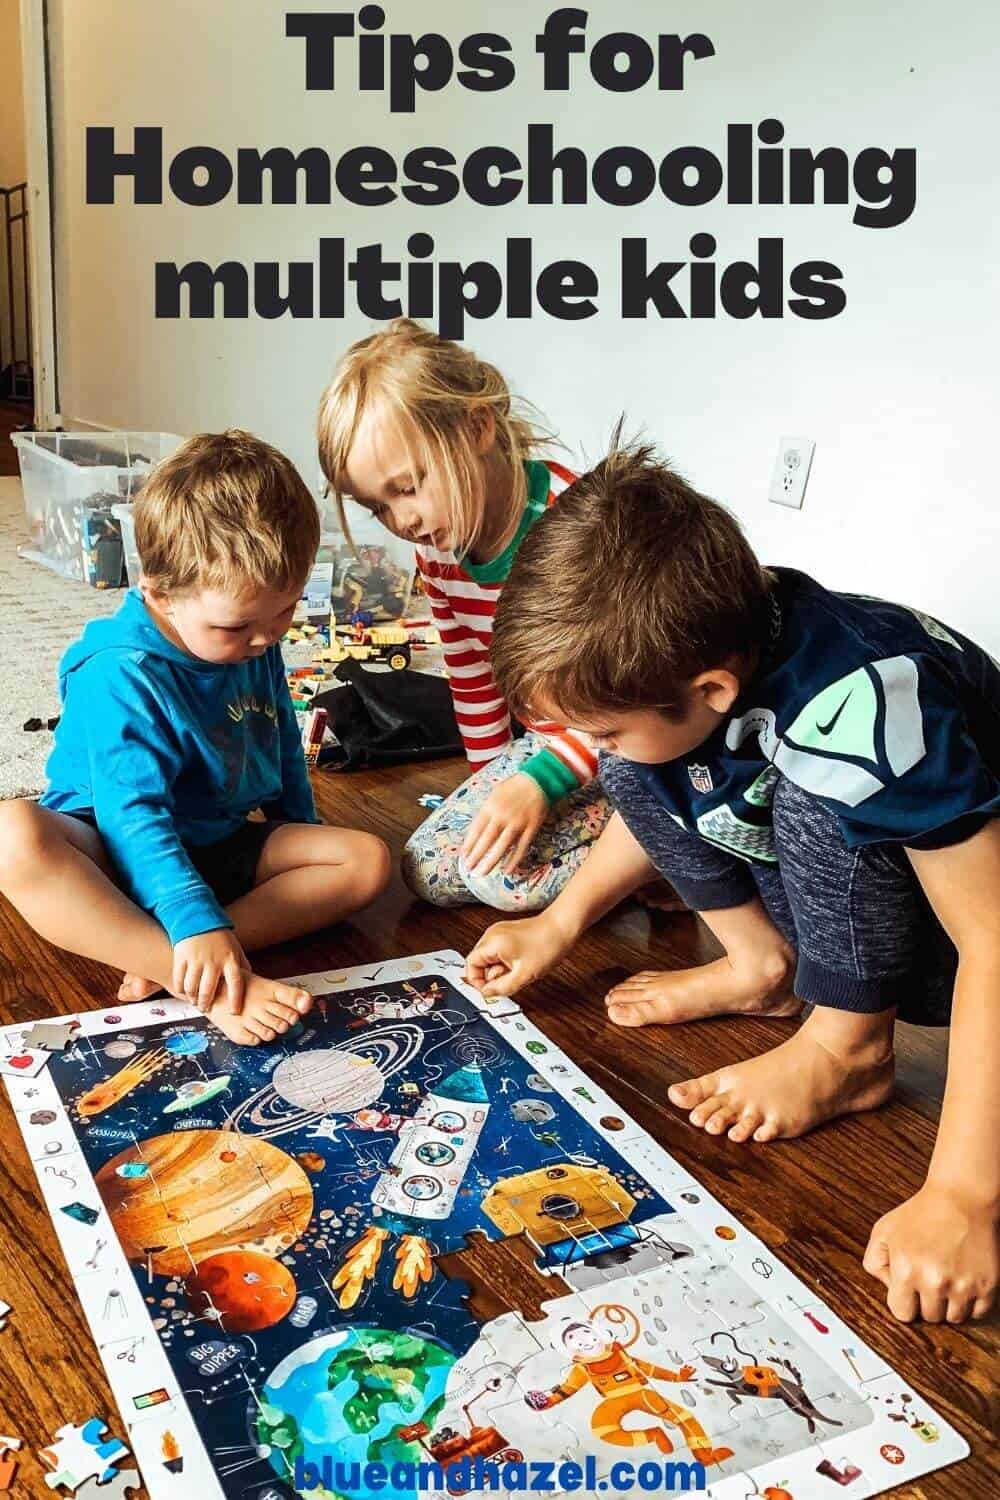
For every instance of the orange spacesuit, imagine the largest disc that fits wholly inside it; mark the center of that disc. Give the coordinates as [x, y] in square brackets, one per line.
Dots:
[623, 1380]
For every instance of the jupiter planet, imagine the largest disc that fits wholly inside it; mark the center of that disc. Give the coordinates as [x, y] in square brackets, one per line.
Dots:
[205, 1191]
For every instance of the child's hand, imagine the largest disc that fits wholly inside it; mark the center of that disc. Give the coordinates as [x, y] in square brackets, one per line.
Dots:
[210, 966]
[510, 955]
[937, 1255]
[509, 819]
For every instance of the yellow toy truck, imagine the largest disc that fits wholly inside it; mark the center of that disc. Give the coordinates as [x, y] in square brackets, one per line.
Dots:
[387, 645]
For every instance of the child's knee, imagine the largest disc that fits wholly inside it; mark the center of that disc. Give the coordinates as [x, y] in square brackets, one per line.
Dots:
[371, 866]
[432, 874]
[415, 868]
[23, 838]
[373, 863]
[504, 892]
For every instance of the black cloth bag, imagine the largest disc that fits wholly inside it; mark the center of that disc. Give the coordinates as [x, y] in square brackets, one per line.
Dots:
[387, 718]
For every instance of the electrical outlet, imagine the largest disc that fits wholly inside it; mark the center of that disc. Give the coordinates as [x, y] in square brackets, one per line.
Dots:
[791, 471]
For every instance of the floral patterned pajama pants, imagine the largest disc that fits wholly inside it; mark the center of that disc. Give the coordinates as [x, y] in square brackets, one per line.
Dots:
[433, 866]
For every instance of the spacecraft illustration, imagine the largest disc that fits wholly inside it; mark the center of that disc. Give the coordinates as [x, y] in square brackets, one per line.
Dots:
[419, 1184]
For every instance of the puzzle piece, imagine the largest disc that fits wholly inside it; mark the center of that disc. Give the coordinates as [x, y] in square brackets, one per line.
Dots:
[117, 1488]
[82, 1452]
[49, 1038]
[627, 1229]
[8, 1463]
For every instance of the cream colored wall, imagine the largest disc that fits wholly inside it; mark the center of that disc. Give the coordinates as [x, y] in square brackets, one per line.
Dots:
[12, 156]
[899, 392]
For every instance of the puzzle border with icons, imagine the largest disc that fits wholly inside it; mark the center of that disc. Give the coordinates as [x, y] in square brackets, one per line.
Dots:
[721, 1270]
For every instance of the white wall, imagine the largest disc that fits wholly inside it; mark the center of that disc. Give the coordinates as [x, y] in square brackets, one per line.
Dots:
[12, 156]
[899, 391]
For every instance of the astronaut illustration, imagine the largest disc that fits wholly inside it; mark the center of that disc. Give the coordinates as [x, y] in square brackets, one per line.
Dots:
[601, 1359]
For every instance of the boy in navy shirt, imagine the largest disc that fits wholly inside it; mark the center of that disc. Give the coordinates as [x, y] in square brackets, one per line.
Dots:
[177, 724]
[818, 775]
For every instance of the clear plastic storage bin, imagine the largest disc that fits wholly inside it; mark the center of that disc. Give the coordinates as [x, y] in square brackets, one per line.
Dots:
[125, 516]
[71, 482]
[376, 575]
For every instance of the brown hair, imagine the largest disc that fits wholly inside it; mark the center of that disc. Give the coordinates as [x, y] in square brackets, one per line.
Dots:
[433, 388]
[630, 585]
[225, 511]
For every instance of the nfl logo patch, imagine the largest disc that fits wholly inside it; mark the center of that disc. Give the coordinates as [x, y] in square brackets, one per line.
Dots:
[701, 778]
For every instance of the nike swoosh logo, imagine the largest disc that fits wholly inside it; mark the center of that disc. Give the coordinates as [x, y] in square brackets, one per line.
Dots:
[825, 729]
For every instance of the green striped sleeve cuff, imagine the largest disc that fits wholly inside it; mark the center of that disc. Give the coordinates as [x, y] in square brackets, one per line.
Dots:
[551, 774]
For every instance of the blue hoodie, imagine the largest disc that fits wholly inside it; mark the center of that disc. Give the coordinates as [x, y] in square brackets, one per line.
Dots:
[166, 752]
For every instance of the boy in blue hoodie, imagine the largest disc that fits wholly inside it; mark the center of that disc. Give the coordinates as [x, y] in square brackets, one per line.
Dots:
[177, 725]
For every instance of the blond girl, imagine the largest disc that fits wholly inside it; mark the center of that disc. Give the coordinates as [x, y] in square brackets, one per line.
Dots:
[428, 438]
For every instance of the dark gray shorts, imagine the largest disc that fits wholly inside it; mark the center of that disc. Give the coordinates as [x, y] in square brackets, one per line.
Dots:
[229, 866]
[866, 935]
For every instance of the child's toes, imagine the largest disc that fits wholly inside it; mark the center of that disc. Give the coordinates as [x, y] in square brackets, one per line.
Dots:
[294, 1002]
[745, 1126]
[727, 1110]
[624, 1010]
[768, 1130]
[707, 1111]
[693, 1091]
[279, 1016]
[261, 1029]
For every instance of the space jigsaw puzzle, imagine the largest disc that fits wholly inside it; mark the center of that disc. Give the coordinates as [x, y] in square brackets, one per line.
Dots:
[254, 1235]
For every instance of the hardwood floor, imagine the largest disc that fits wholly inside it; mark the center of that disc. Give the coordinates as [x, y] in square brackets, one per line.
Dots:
[812, 1201]
[12, 414]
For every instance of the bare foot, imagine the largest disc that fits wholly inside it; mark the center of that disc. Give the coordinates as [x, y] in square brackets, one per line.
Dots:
[269, 1010]
[837, 1063]
[134, 987]
[759, 984]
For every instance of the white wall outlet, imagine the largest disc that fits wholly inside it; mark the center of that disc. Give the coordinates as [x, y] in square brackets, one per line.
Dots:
[791, 471]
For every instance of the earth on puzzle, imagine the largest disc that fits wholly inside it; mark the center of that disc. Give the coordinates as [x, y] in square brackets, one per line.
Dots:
[344, 1395]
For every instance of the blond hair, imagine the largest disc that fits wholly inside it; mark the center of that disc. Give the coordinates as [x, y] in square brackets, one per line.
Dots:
[628, 587]
[434, 389]
[226, 511]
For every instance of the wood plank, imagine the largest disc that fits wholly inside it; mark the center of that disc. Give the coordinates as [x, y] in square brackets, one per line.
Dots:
[812, 1201]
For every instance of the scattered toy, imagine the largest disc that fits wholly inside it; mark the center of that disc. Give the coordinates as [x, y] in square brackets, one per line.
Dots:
[8, 1463]
[117, 1488]
[81, 1453]
[49, 1037]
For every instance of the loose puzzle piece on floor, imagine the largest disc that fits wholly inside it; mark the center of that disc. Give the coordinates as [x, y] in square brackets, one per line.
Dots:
[81, 1453]
[50, 1038]
[8, 1462]
[119, 1487]
[254, 1234]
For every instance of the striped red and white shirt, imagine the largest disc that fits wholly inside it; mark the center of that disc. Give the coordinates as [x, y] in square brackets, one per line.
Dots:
[463, 600]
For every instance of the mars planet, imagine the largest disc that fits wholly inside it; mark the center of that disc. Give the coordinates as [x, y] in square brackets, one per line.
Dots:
[195, 1202]
[242, 1290]
[311, 1160]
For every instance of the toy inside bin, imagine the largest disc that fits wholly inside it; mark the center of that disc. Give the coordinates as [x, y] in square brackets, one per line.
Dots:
[72, 482]
[125, 516]
[375, 575]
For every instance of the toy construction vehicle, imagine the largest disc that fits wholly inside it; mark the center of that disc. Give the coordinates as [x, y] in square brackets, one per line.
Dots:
[368, 579]
[385, 645]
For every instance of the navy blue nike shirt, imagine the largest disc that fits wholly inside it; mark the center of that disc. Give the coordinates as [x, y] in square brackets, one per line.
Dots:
[887, 716]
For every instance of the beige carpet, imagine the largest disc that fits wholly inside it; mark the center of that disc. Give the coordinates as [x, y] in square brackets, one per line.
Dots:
[40, 614]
